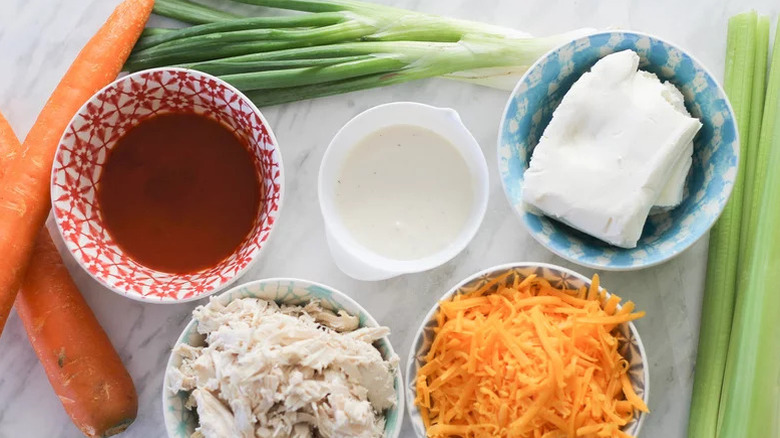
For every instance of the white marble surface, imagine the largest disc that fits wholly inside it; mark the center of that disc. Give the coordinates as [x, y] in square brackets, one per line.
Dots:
[39, 39]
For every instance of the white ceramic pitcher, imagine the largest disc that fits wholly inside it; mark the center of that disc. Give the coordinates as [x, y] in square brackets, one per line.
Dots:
[350, 256]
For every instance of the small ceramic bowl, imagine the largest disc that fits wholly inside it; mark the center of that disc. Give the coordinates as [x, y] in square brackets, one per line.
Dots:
[630, 346]
[181, 422]
[350, 256]
[715, 154]
[94, 131]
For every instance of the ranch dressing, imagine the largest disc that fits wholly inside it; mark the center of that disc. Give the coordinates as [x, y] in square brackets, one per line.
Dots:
[404, 192]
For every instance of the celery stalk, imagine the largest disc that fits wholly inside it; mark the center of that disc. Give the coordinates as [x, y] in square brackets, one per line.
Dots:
[750, 403]
[720, 286]
[758, 139]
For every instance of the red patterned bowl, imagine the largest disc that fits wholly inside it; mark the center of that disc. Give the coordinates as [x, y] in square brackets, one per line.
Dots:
[94, 131]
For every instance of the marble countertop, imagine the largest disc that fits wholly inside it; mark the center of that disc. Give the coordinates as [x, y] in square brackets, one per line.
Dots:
[40, 38]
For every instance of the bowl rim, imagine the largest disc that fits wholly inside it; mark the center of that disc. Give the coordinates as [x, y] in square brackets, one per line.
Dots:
[255, 254]
[227, 295]
[477, 211]
[412, 410]
[606, 267]
[375, 261]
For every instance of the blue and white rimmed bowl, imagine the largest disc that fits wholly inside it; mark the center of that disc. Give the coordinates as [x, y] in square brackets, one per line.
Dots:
[630, 345]
[181, 423]
[715, 154]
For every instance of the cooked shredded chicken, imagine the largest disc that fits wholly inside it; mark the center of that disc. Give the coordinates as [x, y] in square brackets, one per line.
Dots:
[293, 371]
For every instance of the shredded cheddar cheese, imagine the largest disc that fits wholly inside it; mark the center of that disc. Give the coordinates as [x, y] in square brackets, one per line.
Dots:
[528, 360]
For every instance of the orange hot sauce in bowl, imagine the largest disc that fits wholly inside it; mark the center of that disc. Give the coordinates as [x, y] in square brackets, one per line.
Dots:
[179, 193]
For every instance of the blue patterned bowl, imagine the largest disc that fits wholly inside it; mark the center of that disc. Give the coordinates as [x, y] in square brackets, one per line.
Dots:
[715, 155]
[181, 423]
[630, 346]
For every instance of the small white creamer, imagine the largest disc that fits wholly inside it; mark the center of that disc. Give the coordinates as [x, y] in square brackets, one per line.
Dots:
[404, 192]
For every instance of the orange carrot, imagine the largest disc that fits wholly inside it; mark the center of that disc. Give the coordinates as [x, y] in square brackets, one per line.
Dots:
[82, 366]
[24, 192]
[8, 145]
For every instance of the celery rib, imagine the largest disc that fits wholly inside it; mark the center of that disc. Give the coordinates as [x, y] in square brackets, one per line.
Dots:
[750, 403]
[720, 285]
[762, 123]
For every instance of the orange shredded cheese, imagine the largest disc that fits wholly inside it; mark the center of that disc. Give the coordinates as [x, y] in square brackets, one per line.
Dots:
[525, 359]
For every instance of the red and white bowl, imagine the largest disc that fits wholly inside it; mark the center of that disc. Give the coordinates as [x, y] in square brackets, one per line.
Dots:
[94, 131]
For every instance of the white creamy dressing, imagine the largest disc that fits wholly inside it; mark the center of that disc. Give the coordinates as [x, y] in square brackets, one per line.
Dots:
[404, 192]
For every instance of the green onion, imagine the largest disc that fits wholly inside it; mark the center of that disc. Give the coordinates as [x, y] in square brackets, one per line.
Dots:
[190, 12]
[433, 59]
[750, 404]
[323, 19]
[227, 67]
[155, 31]
[720, 286]
[335, 46]
[264, 80]
[241, 42]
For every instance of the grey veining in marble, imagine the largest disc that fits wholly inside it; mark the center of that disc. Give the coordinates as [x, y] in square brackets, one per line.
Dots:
[39, 39]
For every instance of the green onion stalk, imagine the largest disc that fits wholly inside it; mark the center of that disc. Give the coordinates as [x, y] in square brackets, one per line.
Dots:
[334, 46]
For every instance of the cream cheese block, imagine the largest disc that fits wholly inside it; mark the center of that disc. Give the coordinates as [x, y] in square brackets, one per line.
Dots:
[672, 193]
[619, 142]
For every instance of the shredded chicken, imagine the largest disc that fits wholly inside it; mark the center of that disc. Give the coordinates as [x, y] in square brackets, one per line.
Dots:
[268, 371]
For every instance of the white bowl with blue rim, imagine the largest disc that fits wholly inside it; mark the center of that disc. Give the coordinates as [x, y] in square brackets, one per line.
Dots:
[629, 343]
[181, 422]
[715, 151]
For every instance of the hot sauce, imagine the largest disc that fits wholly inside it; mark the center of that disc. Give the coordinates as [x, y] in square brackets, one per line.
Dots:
[179, 192]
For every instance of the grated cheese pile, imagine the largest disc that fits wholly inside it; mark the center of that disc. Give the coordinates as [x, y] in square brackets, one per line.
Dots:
[528, 360]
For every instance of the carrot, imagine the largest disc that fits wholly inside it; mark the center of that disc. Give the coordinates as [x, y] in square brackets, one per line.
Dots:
[82, 366]
[8, 145]
[527, 360]
[24, 192]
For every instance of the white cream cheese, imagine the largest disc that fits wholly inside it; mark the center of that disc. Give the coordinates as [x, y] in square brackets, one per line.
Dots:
[619, 142]
[404, 192]
[672, 193]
